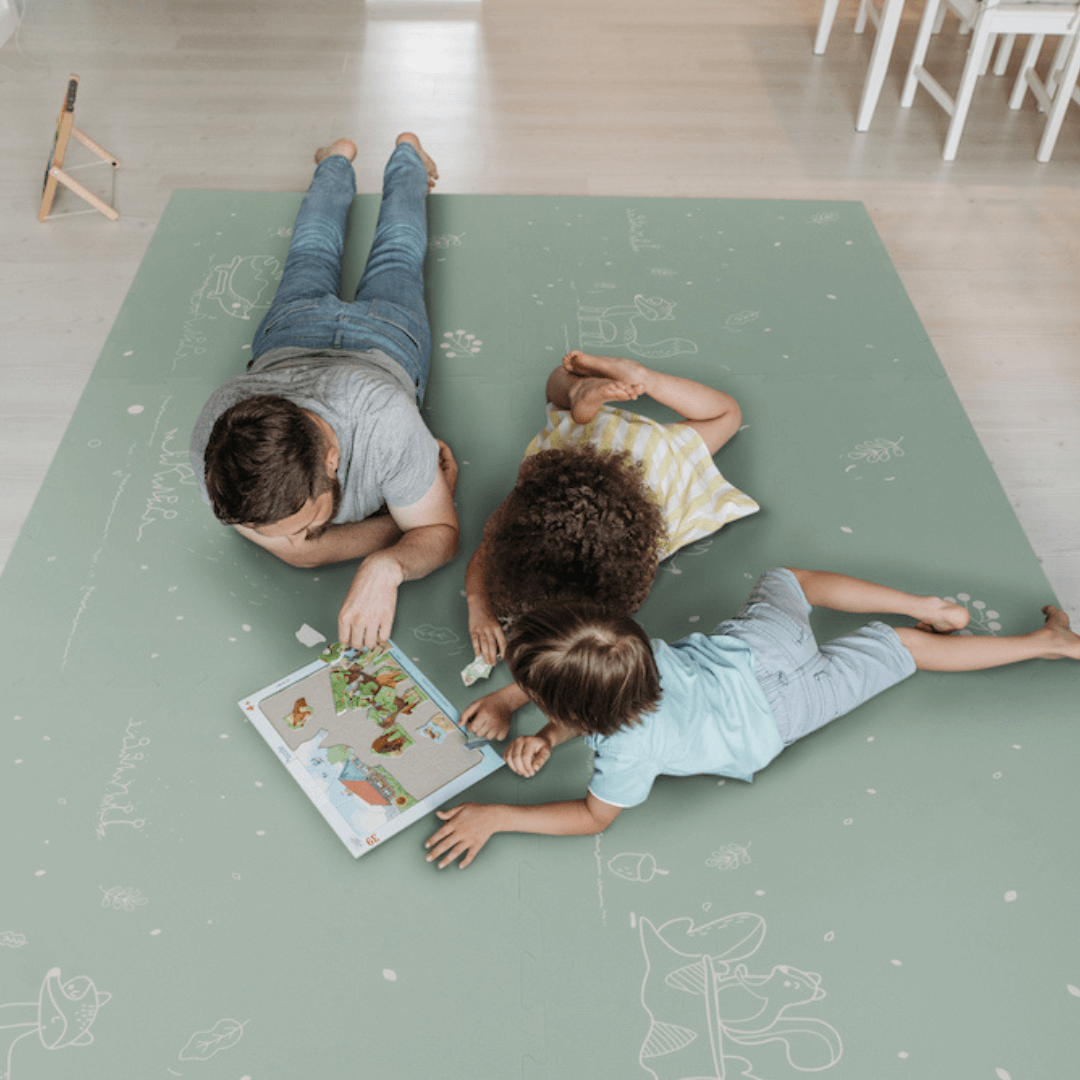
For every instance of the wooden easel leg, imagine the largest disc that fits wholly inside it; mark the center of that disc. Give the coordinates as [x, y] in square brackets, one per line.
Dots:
[84, 194]
[94, 147]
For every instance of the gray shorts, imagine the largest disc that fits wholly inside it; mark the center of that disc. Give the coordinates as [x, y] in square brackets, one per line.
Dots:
[807, 684]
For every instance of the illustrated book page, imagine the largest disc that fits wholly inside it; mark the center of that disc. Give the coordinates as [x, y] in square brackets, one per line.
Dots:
[372, 742]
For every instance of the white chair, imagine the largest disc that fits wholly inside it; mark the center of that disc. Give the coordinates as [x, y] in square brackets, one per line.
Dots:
[1055, 92]
[987, 18]
[886, 20]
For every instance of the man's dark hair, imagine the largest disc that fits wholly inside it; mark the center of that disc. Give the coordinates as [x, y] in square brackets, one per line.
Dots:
[264, 460]
[579, 524]
[590, 669]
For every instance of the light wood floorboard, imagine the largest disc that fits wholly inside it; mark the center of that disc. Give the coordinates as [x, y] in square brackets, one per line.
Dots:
[707, 98]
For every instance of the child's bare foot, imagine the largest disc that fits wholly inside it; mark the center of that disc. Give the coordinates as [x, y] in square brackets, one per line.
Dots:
[429, 165]
[1062, 640]
[943, 617]
[345, 147]
[588, 394]
[615, 368]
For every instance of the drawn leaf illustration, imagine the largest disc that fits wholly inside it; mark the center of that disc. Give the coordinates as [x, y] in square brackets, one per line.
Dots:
[205, 1044]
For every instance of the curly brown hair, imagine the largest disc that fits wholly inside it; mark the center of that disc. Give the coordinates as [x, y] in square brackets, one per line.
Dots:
[579, 525]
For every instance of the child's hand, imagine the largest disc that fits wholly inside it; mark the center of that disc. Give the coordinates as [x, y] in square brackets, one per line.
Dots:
[488, 717]
[468, 828]
[488, 639]
[526, 755]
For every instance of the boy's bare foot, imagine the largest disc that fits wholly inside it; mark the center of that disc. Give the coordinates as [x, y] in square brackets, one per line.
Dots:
[429, 165]
[628, 372]
[1063, 641]
[588, 394]
[943, 617]
[345, 147]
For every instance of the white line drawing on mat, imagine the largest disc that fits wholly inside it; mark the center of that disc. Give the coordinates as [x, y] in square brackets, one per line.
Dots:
[115, 807]
[174, 469]
[122, 898]
[638, 225]
[61, 1016]
[619, 326]
[239, 286]
[460, 343]
[878, 450]
[631, 866]
[444, 241]
[12, 940]
[735, 323]
[600, 880]
[87, 590]
[663, 271]
[825, 217]
[706, 1011]
[729, 857]
[439, 635]
[983, 620]
[671, 565]
[203, 1045]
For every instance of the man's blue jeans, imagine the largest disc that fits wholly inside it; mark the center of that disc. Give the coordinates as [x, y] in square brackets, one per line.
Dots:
[388, 312]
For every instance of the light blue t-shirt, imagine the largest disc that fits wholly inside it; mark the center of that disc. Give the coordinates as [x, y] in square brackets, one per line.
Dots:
[713, 717]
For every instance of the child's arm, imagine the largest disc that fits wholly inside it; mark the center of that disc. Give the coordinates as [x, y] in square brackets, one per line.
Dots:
[488, 639]
[469, 826]
[489, 716]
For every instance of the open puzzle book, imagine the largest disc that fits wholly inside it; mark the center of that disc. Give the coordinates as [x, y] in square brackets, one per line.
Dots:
[372, 742]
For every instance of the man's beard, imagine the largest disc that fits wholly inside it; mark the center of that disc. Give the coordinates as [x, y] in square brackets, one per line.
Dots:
[335, 490]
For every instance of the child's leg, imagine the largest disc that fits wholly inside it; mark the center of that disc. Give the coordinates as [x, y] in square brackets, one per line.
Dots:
[712, 413]
[939, 652]
[931, 644]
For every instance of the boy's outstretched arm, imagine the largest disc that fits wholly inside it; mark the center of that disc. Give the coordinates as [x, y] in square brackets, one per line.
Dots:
[469, 826]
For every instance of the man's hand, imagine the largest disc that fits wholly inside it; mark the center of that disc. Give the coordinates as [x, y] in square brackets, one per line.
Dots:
[367, 614]
[468, 828]
[527, 754]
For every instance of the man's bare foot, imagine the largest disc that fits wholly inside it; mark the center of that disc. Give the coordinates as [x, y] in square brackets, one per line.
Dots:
[615, 368]
[346, 148]
[943, 617]
[429, 165]
[1062, 641]
[588, 394]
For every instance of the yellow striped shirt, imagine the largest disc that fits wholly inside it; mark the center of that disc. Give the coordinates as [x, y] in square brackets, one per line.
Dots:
[678, 469]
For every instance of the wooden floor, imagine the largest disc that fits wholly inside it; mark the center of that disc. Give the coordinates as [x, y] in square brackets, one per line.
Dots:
[683, 98]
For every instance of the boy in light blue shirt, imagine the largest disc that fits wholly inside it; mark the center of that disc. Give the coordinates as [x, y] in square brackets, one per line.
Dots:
[724, 704]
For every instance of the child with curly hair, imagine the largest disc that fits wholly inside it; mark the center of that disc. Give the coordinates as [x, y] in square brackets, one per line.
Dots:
[723, 704]
[602, 495]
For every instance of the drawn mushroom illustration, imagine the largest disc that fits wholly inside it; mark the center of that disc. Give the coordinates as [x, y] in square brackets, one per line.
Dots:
[62, 1015]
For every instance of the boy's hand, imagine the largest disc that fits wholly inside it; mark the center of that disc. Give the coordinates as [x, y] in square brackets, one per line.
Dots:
[468, 828]
[488, 717]
[527, 754]
[488, 639]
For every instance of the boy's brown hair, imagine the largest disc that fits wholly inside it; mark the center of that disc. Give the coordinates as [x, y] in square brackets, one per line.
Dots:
[264, 460]
[588, 668]
[578, 524]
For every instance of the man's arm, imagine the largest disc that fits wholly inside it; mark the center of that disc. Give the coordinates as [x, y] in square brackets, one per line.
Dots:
[469, 826]
[430, 538]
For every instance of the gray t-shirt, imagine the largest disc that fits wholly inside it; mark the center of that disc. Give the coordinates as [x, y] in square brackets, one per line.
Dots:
[388, 456]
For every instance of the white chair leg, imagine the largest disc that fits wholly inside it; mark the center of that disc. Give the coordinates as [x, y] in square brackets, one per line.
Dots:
[1058, 63]
[879, 62]
[1004, 53]
[1031, 55]
[860, 19]
[931, 12]
[979, 40]
[1062, 97]
[828, 14]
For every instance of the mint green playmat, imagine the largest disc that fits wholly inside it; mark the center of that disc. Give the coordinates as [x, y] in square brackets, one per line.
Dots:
[885, 902]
